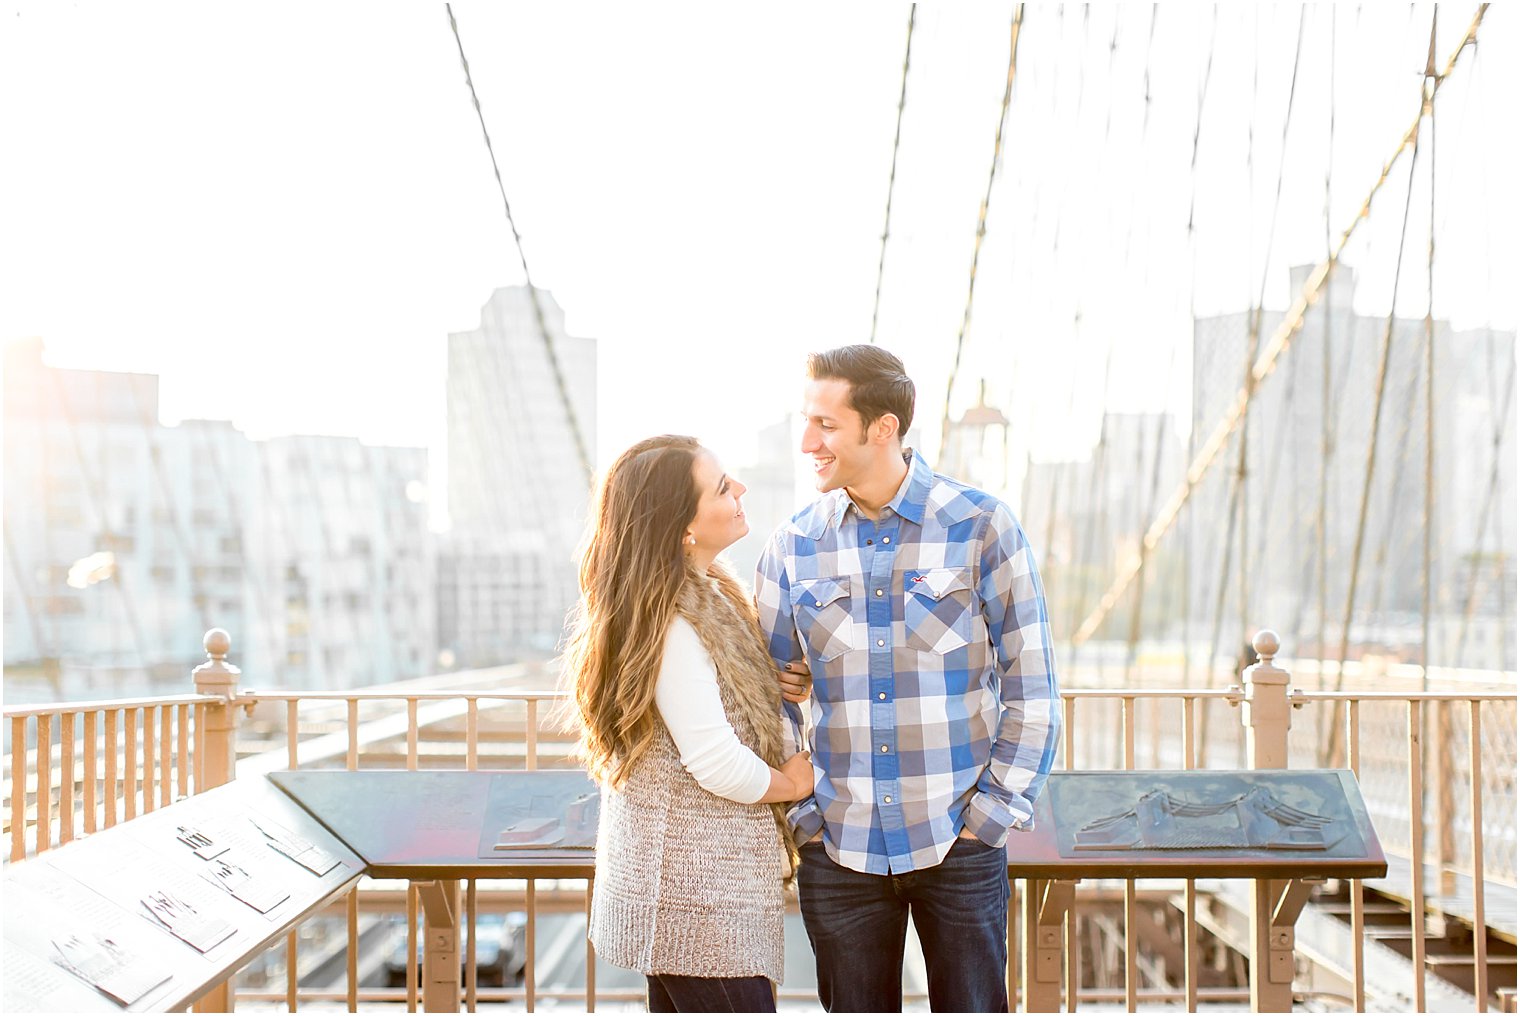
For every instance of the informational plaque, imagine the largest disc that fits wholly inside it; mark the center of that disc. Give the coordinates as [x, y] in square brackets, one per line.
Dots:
[149, 914]
[1273, 823]
[452, 824]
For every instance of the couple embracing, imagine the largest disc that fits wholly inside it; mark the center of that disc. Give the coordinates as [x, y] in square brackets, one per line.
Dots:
[903, 610]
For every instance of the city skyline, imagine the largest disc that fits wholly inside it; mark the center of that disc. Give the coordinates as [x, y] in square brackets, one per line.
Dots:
[691, 228]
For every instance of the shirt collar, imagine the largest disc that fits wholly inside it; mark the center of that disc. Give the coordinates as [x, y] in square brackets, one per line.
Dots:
[911, 496]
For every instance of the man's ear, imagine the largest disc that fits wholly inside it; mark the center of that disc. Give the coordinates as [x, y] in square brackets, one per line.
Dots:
[886, 428]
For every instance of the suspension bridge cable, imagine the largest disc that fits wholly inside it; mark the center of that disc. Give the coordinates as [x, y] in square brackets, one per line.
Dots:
[1332, 747]
[1484, 514]
[981, 219]
[1279, 342]
[1327, 434]
[555, 368]
[1427, 564]
[886, 225]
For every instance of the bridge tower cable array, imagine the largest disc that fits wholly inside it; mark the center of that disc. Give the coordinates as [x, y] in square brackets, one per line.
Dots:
[582, 449]
[1275, 347]
[981, 218]
[886, 225]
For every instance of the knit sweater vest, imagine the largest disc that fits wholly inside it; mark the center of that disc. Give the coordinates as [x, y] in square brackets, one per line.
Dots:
[689, 883]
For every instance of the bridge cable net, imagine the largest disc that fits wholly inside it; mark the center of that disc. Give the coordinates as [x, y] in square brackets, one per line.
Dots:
[1276, 345]
[886, 225]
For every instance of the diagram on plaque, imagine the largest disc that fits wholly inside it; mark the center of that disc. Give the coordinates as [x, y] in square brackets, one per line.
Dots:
[1212, 814]
[235, 880]
[1160, 821]
[200, 931]
[108, 966]
[552, 812]
[305, 853]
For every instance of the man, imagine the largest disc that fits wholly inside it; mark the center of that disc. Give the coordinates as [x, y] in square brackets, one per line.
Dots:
[915, 601]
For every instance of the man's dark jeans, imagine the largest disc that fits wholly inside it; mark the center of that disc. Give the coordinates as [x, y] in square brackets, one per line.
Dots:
[673, 993]
[858, 923]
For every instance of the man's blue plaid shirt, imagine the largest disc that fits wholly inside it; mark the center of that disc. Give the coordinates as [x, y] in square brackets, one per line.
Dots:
[935, 704]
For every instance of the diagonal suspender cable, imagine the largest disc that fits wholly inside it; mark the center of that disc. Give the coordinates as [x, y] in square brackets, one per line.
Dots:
[886, 225]
[1275, 347]
[555, 367]
[981, 219]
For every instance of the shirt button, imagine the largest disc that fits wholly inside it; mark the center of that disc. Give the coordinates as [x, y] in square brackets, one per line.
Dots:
[887, 799]
[878, 592]
[817, 603]
[881, 695]
[883, 747]
[881, 642]
[886, 539]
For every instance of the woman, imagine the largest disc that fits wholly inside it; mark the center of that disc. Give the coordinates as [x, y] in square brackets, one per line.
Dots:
[681, 722]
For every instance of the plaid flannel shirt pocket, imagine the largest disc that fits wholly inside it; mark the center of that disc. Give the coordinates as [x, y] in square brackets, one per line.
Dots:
[937, 609]
[822, 610]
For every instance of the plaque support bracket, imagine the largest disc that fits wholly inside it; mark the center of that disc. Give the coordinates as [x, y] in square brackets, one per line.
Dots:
[440, 951]
[1046, 904]
[1276, 908]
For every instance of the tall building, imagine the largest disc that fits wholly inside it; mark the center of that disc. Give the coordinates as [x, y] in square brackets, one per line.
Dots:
[1324, 396]
[125, 540]
[518, 491]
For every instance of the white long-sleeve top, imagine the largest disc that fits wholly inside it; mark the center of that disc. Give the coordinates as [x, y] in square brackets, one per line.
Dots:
[686, 694]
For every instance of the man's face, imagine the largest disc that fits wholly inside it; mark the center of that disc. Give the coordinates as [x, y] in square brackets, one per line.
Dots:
[833, 436]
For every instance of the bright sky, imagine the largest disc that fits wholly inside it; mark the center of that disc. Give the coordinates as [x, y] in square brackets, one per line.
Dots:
[282, 209]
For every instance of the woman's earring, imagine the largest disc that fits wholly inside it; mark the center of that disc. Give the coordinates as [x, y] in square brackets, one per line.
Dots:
[691, 539]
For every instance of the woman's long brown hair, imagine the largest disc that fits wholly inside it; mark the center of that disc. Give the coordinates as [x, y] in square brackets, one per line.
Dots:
[632, 567]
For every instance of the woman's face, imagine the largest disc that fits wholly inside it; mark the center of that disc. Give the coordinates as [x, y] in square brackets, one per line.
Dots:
[720, 517]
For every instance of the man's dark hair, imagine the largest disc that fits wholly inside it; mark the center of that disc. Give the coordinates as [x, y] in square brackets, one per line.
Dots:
[878, 383]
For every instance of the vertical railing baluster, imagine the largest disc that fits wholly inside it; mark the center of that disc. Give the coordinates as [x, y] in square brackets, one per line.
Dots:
[1475, 809]
[590, 953]
[1131, 951]
[352, 760]
[166, 755]
[292, 973]
[1358, 905]
[182, 749]
[198, 758]
[1073, 952]
[1190, 916]
[411, 947]
[18, 787]
[129, 762]
[293, 734]
[532, 734]
[411, 734]
[44, 782]
[472, 735]
[90, 762]
[353, 949]
[470, 971]
[149, 757]
[1417, 851]
[66, 779]
[112, 746]
[530, 969]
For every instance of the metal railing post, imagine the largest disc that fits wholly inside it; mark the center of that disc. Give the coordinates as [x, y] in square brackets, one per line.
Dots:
[216, 753]
[216, 740]
[1266, 712]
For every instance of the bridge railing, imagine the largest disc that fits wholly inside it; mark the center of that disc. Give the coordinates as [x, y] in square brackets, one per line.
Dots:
[78, 767]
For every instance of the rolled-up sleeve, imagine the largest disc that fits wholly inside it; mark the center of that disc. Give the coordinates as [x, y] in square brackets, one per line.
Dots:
[1029, 720]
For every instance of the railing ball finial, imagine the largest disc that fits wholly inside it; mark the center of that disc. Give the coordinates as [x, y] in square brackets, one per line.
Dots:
[1266, 644]
[218, 644]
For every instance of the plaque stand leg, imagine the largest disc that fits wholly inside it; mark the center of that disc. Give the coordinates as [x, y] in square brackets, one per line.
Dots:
[1275, 907]
[1046, 902]
[440, 951]
[218, 999]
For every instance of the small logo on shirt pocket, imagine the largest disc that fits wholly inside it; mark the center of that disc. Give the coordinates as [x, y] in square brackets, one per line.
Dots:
[937, 609]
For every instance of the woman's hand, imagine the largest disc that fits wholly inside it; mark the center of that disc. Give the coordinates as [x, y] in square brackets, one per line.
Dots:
[799, 770]
[796, 681]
